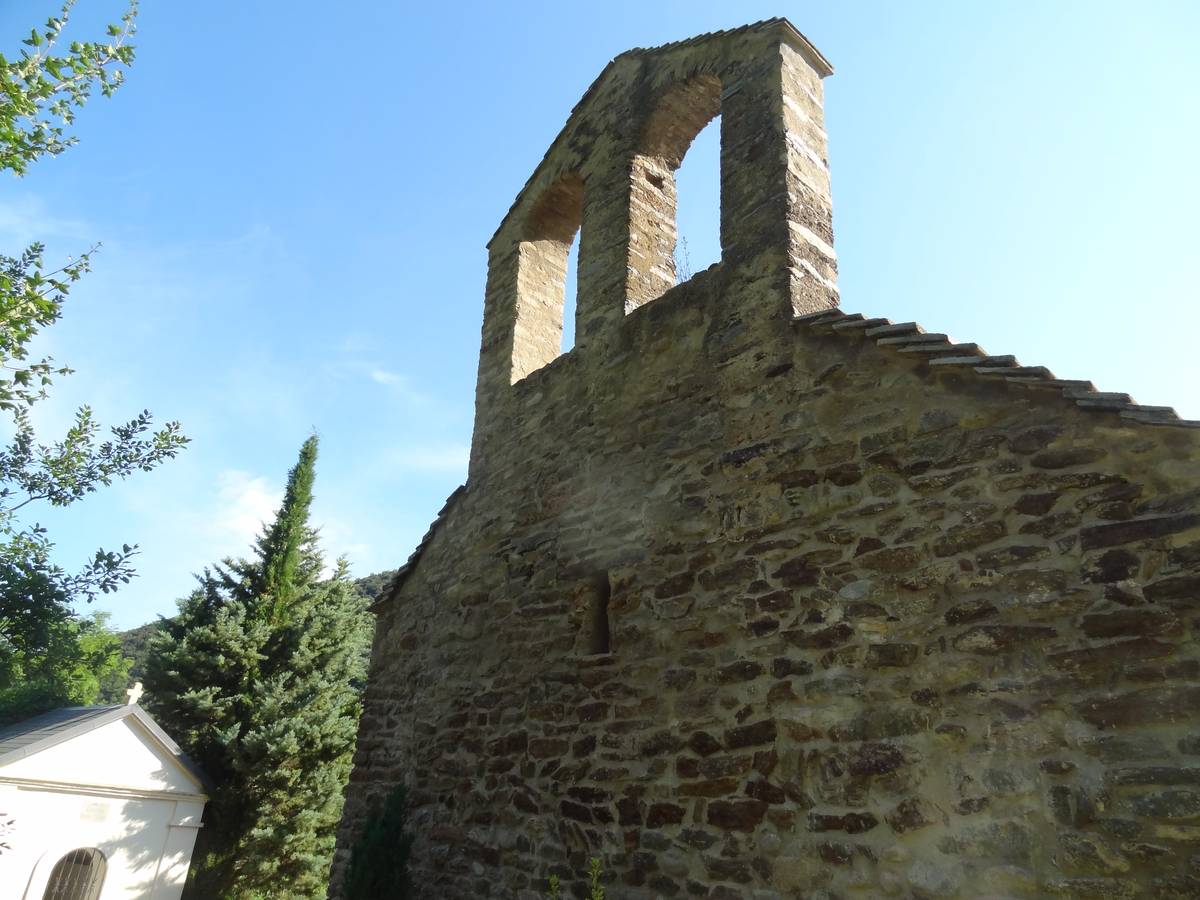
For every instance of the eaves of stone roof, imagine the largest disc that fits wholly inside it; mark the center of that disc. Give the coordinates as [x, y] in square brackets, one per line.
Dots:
[388, 593]
[911, 340]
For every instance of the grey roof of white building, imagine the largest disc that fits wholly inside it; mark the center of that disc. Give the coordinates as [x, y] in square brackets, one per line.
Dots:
[49, 729]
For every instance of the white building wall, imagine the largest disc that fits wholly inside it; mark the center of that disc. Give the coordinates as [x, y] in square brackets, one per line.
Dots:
[113, 789]
[119, 754]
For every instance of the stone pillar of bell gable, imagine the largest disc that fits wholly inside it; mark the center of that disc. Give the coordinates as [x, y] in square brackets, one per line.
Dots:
[776, 209]
[600, 300]
[493, 386]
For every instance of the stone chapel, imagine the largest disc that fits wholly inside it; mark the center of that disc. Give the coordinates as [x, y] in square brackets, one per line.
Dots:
[749, 596]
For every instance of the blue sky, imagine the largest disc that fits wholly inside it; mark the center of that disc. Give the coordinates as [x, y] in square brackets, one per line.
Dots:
[294, 200]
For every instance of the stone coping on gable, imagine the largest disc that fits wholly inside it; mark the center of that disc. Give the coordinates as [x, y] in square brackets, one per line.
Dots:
[910, 339]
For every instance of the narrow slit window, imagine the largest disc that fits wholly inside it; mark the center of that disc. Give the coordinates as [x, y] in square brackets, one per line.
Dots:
[599, 624]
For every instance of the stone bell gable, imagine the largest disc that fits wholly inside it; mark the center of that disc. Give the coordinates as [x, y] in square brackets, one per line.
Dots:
[610, 177]
[750, 597]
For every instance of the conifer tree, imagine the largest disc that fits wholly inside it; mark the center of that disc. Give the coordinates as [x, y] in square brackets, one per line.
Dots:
[280, 548]
[258, 677]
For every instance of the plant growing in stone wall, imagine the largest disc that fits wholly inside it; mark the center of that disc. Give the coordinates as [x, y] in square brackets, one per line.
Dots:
[595, 891]
[683, 262]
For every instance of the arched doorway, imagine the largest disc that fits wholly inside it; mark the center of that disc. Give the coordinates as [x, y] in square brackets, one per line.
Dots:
[78, 875]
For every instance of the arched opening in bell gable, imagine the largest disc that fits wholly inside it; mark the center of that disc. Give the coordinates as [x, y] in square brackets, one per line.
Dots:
[662, 255]
[545, 277]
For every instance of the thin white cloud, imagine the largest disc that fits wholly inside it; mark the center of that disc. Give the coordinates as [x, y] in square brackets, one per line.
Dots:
[243, 503]
[441, 458]
[338, 539]
[246, 503]
[394, 383]
[383, 376]
[398, 385]
[27, 218]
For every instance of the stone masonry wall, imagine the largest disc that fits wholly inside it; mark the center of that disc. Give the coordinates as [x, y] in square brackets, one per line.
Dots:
[878, 615]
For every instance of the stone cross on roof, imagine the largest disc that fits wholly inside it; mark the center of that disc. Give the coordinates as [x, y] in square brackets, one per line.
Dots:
[134, 693]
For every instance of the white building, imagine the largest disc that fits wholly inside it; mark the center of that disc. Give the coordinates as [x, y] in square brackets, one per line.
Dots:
[96, 803]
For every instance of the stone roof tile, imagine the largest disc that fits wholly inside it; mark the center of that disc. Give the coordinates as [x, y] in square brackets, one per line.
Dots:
[909, 338]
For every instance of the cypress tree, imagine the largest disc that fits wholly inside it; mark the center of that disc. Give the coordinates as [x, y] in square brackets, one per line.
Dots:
[280, 548]
[258, 678]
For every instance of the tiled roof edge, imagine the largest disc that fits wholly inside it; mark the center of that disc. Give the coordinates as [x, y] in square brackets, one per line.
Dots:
[87, 719]
[389, 593]
[910, 339]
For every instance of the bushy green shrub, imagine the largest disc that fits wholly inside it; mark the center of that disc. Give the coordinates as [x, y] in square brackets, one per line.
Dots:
[378, 867]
